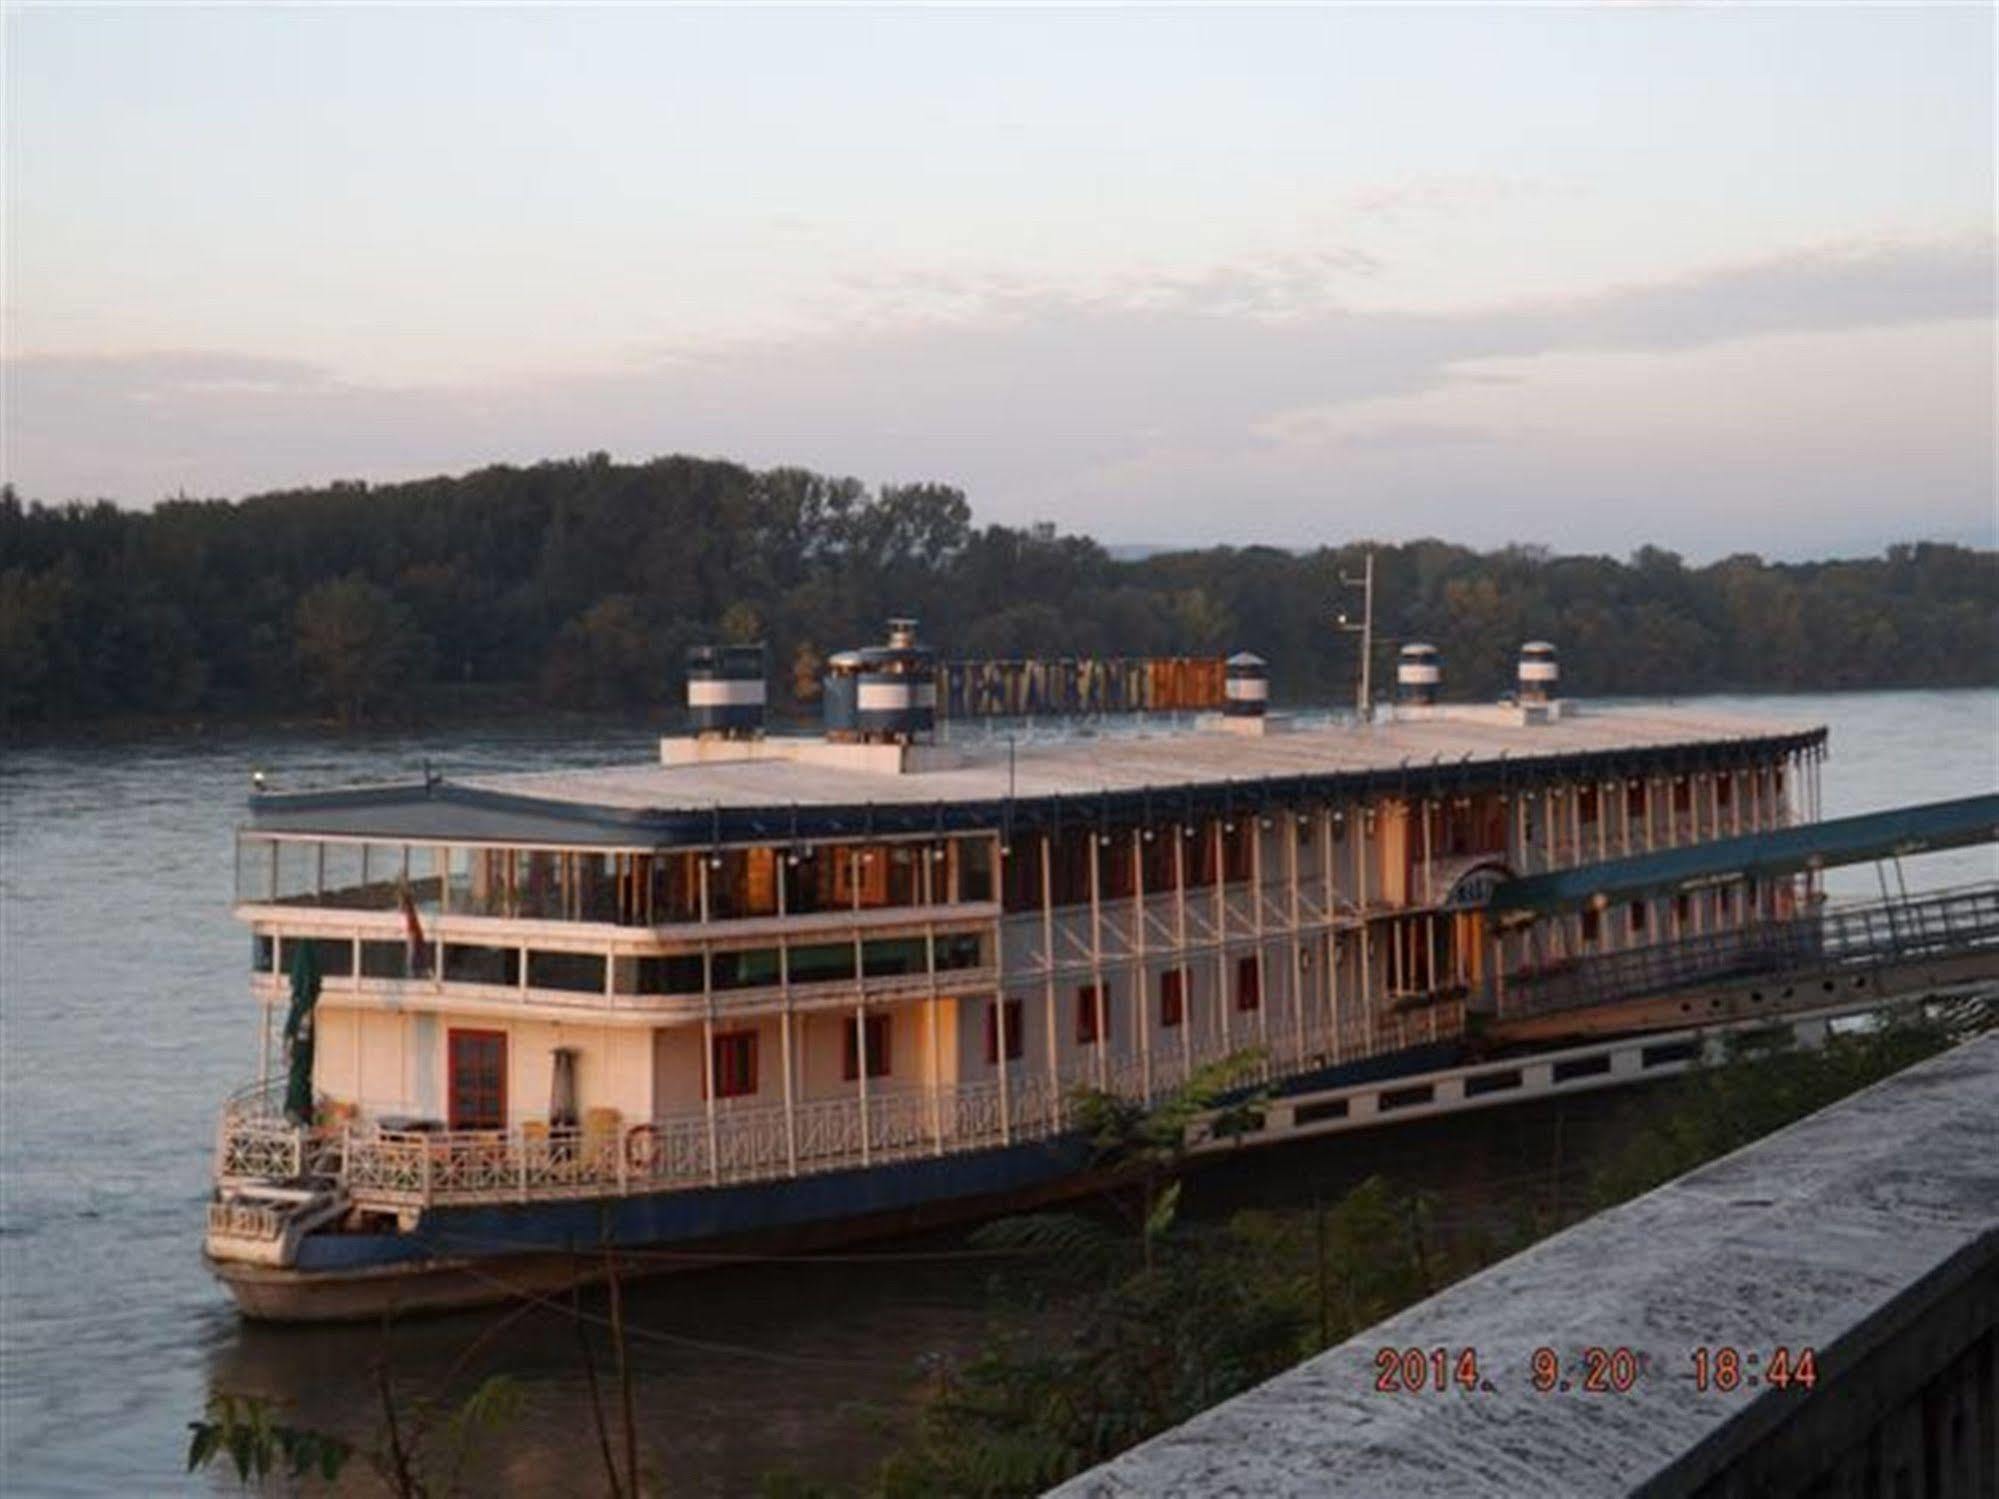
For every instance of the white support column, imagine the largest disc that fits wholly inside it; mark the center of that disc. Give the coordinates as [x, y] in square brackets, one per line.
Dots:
[1331, 942]
[1141, 988]
[790, 1090]
[1048, 950]
[1294, 987]
[1366, 936]
[934, 1005]
[1184, 968]
[784, 1026]
[1263, 996]
[1224, 1028]
[860, 1007]
[707, 1027]
[1005, 1078]
[1096, 846]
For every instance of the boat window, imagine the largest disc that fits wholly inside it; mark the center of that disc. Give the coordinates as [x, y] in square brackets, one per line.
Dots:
[877, 1038]
[677, 974]
[822, 964]
[745, 884]
[340, 876]
[481, 882]
[465, 963]
[752, 968]
[538, 896]
[962, 950]
[1014, 1040]
[577, 972]
[1092, 1014]
[385, 960]
[297, 873]
[335, 955]
[897, 956]
[735, 1064]
[256, 868]
[1172, 998]
[425, 872]
[1021, 873]
[676, 888]
[594, 888]
[1248, 984]
[975, 869]
[1114, 864]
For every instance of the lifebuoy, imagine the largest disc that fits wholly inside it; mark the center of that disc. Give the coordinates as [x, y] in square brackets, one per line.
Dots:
[642, 1147]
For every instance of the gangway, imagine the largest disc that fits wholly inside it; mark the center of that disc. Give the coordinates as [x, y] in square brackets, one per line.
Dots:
[1878, 950]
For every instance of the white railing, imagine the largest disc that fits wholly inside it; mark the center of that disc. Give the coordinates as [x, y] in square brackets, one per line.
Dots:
[406, 1168]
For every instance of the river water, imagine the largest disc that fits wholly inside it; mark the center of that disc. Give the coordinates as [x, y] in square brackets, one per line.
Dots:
[124, 1021]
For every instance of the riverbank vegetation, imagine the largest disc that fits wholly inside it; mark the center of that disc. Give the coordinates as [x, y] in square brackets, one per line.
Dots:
[579, 584]
[1120, 1337]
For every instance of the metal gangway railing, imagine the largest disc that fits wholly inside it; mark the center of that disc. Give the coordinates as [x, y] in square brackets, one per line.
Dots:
[1945, 924]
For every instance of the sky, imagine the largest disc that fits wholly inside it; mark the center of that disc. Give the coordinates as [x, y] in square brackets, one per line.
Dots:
[1719, 279]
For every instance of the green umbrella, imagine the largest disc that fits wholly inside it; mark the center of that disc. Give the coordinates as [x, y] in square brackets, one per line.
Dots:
[298, 1032]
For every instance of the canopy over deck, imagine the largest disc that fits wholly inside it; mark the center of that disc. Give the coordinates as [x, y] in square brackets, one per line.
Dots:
[1923, 828]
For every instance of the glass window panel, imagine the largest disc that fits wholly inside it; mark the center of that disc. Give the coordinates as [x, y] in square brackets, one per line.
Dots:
[824, 964]
[426, 879]
[735, 1064]
[751, 969]
[676, 888]
[1114, 865]
[975, 869]
[465, 963]
[335, 955]
[343, 880]
[596, 887]
[679, 973]
[895, 956]
[298, 873]
[487, 875]
[254, 868]
[1021, 871]
[813, 884]
[263, 953]
[961, 950]
[576, 972]
[385, 960]
[539, 892]
[745, 884]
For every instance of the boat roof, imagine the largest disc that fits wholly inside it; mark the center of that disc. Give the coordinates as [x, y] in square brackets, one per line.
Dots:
[1041, 776]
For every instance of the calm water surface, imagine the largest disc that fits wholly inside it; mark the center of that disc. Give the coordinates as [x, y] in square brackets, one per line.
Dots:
[124, 1020]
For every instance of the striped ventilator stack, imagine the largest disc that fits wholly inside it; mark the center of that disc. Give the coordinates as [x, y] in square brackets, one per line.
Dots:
[725, 691]
[1418, 673]
[1539, 672]
[1246, 687]
[883, 694]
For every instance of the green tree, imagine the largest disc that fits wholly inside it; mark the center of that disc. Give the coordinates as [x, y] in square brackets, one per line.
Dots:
[358, 647]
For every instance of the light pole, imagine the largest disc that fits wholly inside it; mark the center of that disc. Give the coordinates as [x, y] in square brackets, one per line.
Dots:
[1364, 688]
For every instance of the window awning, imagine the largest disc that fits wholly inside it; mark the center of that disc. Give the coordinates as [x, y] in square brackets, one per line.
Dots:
[1924, 828]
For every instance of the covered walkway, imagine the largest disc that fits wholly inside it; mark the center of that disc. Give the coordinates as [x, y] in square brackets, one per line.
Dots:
[1924, 828]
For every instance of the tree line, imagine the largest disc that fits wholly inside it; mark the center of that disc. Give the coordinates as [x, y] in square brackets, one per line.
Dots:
[581, 582]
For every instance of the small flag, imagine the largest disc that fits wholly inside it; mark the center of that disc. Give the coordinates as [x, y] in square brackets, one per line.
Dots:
[416, 952]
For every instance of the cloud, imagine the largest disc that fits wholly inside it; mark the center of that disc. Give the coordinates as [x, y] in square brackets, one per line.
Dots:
[1133, 411]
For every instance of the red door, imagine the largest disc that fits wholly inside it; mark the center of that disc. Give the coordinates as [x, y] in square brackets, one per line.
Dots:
[477, 1082]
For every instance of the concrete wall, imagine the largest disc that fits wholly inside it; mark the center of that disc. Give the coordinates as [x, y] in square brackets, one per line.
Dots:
[1868, 1233]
